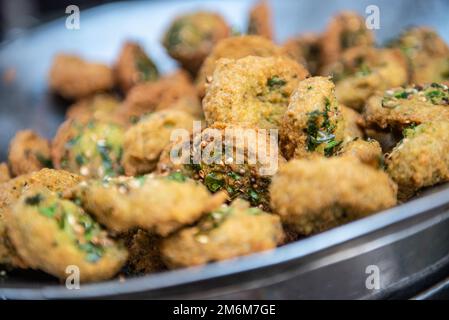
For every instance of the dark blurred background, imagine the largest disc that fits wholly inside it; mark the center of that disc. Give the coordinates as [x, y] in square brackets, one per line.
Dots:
[17, 15]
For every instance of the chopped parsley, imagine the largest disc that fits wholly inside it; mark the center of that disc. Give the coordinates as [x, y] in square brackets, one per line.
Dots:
[214, 181]
[275, 82]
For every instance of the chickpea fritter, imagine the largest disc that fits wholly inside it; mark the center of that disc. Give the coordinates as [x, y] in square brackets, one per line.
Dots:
[10, 192]
[362, 71]
[5, 175]
[323, 193]
[50, 234]
[214, 161]
[421, 159]
[260, 20]
[427, 54]
[100, 107]
[234, 48]
[305, 49]
[144, 142]
[313, 123]
[92, 150]
[28, 152]
[134, 66]
[401, 107]
[345, 30]
[368, 152]
[252, 91]
[73, 78]
[354, 123]
[191, 37]
[174, 91]
[223, 234]
[158, 204]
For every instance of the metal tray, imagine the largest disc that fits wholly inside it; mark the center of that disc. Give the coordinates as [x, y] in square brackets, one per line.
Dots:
[409, 244]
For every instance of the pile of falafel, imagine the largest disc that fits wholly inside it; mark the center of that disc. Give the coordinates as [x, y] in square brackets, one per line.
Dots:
[361, 129]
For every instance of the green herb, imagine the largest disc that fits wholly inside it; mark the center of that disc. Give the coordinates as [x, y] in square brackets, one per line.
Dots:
[177, 176]
[49, 211]
[147, 69]
[275, 82]
[34, 200]
[329, 150]
[214, 219]
[214, 182]
[253, 196]
[93, 252]
[234, 175]
[80, 159]
[45, 161]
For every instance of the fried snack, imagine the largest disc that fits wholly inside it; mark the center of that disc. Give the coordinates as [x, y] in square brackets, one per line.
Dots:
[368, 151]
[73, 78]
[421, 159]
[144, 142]
[100, 107]
[4, 173]
[144, 253]
[10, 192]
[227, 158]
[362, 71]
[345, 30]
[427, 54]
[28, 152]
[134, 66]
[252, 91]
[174, 91]
[313, 123]
[223, 234]
[191, 37]
[93, 150]
[354, 123]
[416, 104]
[158, 204]
[313, 195]
[52, 234]
[260, 20]
[234, 48]
[306, 50]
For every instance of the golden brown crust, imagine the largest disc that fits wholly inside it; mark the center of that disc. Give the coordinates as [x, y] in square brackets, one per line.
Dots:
[305, 49]
[421, 159]
[304, 129]
[368, 152]
[28, 152]
[252, 91]
[5, 175]
[144, 141]
[314, 195]
[260, 20]
[191, 37]
[73, 78]
[234, 48]
[354, 123]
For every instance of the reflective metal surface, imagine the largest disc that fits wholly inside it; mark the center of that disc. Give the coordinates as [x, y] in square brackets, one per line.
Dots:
[408, 244]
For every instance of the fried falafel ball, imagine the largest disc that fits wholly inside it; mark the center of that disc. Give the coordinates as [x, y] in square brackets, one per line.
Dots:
[174, 91]
[145, 256]
[427, 54]
[234, 48]
[368, 151]
[74, 78]
[239, 161]
[101, 107]
[305, 49]
[92, 150]
[313, 123]
[158, 204]
[228, 232]
[144, 141]
[362, 71]
[5, 175]
[354, 123]
[191, 37]
[260, 20]
[10, 192]
[323, 193]
[415, 104]
[345, 30]
[252, 91]
[134, 66]
[421, 159]
[50, 234]
[28, 152]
